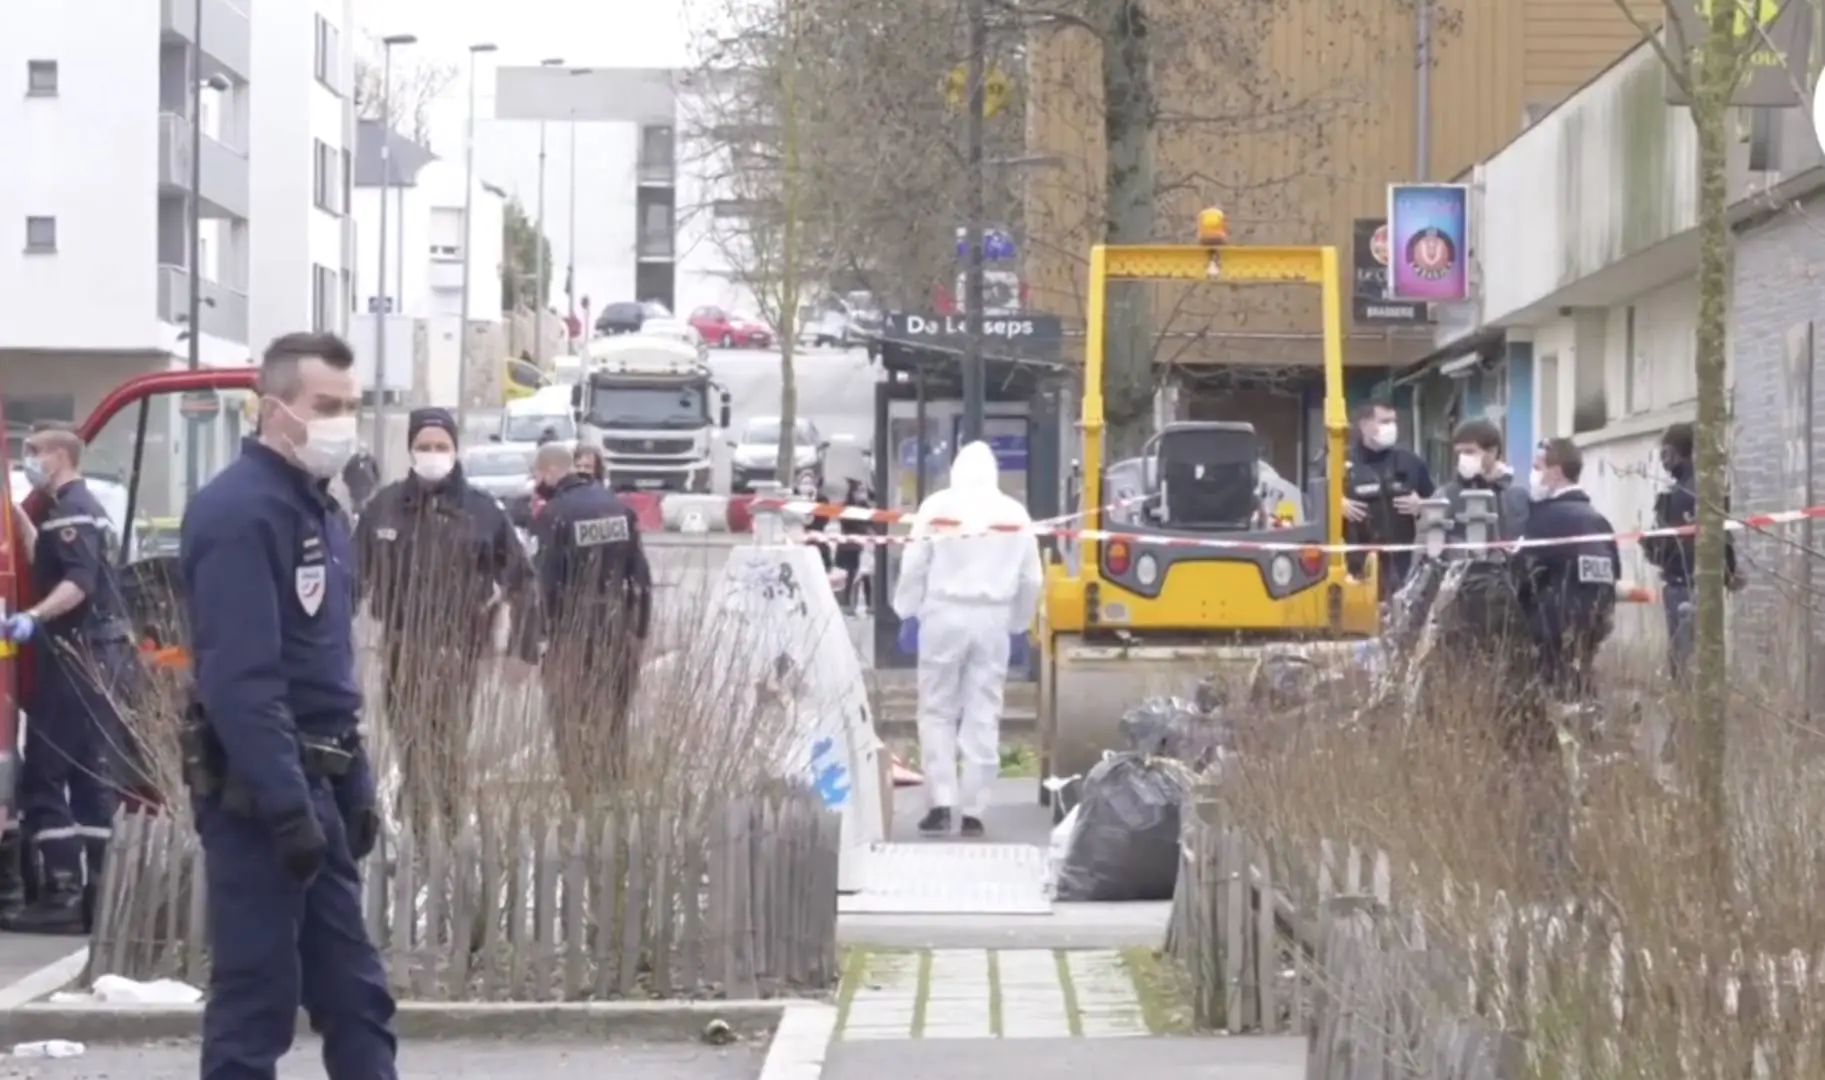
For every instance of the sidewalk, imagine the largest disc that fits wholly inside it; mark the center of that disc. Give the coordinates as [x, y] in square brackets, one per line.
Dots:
[1243, 1058]
[520, 1060]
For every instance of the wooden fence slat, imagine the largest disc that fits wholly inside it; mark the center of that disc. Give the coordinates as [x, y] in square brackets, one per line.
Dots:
[741, 982]
[428, 974]
[545, 943]
[605, 877]
[401, 939]
[1266, 944]
[664, 910]
[690, 899]
[576, 912]
[519, 940]
[491, 902]
[633, 914]
[466, 908]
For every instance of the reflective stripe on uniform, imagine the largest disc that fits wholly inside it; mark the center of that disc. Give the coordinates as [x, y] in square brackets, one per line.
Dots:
[72, 832]
[73, 520]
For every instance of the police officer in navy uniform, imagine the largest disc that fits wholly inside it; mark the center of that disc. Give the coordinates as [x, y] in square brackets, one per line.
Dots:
[1567, 587]
[1676, 556]
[1382, 487]
[444, 573]
[82, 661]
[596, 590]
[280, 783]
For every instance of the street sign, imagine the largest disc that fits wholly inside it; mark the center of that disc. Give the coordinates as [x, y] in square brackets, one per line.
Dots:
[200, 405]
[996, 90]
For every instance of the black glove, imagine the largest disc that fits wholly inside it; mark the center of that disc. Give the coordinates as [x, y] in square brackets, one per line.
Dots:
[364, 831]
[301, 844]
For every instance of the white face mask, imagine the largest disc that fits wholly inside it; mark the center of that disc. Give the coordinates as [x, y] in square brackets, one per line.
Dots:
[1536, 485]
[329, 442]
[36, 471]
[1387, 434]
[1469, 466]
[433, 465]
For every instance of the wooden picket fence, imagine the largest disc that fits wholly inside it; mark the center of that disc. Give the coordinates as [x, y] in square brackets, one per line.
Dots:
[1314, 940]
[630, 905]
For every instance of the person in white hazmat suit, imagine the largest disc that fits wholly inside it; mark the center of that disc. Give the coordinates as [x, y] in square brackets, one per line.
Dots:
[967, 594]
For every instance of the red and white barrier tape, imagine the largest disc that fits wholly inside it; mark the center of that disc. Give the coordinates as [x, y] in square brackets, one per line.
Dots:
[1049, 528]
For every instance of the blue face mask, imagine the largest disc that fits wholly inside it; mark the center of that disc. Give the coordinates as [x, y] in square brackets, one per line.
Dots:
[35, 471]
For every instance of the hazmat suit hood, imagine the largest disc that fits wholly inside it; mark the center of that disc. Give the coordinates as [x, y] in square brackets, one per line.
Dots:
[974, 469]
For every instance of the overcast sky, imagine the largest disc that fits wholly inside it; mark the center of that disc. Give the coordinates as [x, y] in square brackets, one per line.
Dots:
[631, 33]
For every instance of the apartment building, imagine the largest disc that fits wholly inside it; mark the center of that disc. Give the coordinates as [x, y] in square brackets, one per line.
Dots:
[302, 125]
[427, 245]
[628, 211]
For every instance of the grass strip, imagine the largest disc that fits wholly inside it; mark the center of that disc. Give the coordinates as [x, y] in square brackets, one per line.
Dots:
[1161, 989]
[1074, 1015]
[995, 993]
[923, 995]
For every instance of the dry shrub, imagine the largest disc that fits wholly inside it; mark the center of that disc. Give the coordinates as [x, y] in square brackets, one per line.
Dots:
[466, 735]
[1571, 888]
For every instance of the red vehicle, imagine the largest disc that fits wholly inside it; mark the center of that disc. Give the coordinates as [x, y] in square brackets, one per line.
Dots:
[720, 328]
[119, 424]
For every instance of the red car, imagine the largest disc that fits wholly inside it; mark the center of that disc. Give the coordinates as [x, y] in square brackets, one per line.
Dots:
[720, 328]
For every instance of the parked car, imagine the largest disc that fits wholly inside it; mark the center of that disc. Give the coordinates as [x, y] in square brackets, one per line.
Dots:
[730, 331]
[502, 470]
[625, 317]
[823, 327]
[755, 456]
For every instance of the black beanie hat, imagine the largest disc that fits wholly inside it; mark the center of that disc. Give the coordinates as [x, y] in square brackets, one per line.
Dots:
[420, 419]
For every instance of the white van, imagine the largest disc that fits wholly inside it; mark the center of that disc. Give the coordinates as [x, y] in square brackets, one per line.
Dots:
[528, 419]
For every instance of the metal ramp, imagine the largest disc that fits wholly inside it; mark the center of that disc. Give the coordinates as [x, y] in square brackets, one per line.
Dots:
[939, 877]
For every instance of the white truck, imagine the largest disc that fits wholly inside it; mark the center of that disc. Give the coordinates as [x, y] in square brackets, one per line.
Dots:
[645, 400]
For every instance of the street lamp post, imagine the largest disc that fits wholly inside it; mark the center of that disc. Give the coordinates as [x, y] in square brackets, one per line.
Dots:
[379, 440]
[462, 369]
[538, 247]
[570, 246]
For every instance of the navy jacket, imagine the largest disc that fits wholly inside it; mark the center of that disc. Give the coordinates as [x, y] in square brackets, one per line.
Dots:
[435, 556]
[1677, 556]
[72, 546]
[590, 556]
[269, 592]
[1569, 589]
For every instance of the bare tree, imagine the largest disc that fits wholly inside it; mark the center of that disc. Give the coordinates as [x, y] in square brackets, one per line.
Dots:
[416, 85]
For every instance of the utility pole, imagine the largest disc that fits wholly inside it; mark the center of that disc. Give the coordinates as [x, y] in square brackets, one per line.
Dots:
[570, 245]
[543, 288]
[974, 378]
[193, 313]
[463, 341]
[379, 441]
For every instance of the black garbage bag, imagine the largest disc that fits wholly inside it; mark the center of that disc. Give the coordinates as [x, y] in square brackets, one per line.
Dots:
[1126, 842]
[1174, 728]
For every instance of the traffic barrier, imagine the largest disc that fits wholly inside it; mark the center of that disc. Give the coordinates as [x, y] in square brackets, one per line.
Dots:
[741, 513]
[683, 512]
[647, 510]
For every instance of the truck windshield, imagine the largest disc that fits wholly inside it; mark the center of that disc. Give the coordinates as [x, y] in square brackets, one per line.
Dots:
[647, 406]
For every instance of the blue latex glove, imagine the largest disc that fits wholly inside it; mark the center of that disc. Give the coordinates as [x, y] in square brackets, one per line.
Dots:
[1019, 651]
[909, 636]
[21, 627]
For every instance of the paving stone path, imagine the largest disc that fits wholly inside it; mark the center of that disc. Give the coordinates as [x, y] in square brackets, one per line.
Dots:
[990, 993]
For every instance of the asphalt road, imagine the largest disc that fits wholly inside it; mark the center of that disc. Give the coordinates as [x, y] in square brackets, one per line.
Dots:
[444, 1060]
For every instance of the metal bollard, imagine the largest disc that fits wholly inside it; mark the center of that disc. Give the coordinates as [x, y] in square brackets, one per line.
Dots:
[1434, 521]
[1479, 520]
[769, 521]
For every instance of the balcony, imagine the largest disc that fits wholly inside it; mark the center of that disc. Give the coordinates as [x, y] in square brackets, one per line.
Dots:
[227, 35]
[224, 310]
[224, 177]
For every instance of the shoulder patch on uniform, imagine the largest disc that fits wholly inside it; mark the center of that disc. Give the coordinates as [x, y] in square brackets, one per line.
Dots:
[1596, 570]
[67, 534]
[595, 532]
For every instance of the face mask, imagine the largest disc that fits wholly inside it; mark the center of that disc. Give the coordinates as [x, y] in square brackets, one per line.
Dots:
[36, 471]
[1469, 466]
[1387, 434]
[433, 465]
[1536, 485]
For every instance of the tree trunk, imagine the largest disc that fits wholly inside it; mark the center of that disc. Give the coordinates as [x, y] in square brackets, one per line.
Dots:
[788, 261]
[1713, 83]
[1128, 110]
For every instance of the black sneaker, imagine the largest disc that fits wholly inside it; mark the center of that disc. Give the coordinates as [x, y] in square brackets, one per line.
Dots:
[972, 828]
[936, 822]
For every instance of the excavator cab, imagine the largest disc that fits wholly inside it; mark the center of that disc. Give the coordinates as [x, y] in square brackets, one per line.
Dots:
[129, 447]
[1190, 562]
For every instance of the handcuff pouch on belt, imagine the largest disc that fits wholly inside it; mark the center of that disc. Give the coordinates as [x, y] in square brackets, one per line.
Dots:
[205, 762]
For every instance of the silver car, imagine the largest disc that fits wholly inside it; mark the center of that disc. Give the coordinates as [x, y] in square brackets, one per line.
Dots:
[503, 470]
[755, 456]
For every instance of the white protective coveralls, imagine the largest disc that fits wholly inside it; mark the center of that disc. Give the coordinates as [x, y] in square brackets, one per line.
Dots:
[970, 588]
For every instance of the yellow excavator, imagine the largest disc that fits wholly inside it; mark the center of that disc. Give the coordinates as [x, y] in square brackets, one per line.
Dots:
[1150, 610]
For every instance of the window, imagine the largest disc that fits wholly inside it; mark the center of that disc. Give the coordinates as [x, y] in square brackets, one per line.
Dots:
[329, 55]
[327, 177]
[40, 234]
[446, 233]
[41, 78]
[326, 298]
[655, 152]
[348, 179]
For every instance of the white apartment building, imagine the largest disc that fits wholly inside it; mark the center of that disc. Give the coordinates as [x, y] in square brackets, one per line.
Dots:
[427, 245]
[632, 242]
[97, 189]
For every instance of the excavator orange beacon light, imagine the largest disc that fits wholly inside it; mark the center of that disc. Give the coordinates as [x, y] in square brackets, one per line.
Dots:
[1213, 227]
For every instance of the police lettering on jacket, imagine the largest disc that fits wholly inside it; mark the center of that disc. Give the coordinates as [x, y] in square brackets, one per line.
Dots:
[1569, 587]
[268, 587]
[72, 546]
[589, 552]
[428, 555]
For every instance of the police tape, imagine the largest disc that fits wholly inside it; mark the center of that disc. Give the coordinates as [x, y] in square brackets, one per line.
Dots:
[1049, 527]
